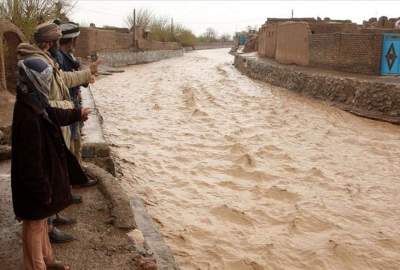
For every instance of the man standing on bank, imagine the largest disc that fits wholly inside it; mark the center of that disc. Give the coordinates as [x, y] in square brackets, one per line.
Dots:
[67, 62]
[42, 166]
[63, 97]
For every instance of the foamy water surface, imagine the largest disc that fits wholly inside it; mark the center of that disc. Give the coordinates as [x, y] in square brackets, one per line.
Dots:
[241, 175]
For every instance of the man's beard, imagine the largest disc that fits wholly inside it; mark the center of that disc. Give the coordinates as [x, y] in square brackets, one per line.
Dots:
[55, 45]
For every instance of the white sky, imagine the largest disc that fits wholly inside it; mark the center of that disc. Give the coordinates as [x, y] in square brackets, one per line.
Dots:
[230, 16]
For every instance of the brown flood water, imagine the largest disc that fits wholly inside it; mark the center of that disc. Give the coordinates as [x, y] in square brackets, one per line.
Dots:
[241, 175]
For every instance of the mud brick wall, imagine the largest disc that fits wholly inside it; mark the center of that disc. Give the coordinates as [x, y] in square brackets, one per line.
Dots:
[350, 52]
[267, 40]
[97, 40]
[331, 27]
[10, 37]
[292, 44]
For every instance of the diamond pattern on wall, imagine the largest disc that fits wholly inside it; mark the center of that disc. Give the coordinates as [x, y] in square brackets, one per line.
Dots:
[391, 56]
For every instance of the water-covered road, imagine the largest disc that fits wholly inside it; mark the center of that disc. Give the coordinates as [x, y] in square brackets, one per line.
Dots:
[243, 175]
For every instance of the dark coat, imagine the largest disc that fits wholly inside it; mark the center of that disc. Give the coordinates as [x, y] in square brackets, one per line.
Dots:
[42, 167]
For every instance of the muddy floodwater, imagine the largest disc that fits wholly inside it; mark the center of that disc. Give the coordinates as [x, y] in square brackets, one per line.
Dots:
[241, 175]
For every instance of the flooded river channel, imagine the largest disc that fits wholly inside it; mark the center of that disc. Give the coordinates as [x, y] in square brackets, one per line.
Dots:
[241, 175]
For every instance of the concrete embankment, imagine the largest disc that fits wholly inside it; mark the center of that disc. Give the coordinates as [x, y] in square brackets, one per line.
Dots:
[213, 45]
[124, 58]
[368, 96]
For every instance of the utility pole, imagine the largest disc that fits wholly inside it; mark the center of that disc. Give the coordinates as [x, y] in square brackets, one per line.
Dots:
[292, 14]
[134, 27]
[172, 25]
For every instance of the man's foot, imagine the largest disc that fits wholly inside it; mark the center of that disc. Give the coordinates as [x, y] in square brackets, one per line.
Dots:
[59, 237]
[59, 220]
[76, 199]
[56, 265]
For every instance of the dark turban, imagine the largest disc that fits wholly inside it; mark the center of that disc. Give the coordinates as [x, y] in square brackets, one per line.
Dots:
[47, 32]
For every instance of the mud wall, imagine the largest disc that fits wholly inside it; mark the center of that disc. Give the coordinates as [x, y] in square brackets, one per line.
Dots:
[292, 43]
[357, 53]
[368, 98]
[338, 46]
[110, 40]
[332, 27]
[97, 40]
[267, 40]
[10, 37]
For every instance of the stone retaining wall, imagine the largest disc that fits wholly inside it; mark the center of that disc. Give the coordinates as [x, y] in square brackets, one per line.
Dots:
[213, 45]
[365, 96]
[124, 58]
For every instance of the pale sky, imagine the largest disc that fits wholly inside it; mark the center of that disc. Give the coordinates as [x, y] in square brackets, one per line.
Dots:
[230, 16]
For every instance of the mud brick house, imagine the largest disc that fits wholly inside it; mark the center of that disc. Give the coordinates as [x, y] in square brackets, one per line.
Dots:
[337, 45]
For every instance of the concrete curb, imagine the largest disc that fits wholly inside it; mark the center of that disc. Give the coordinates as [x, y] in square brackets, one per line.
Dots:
[130, 214]
[95, 149]
[120, 204]
[153, 239]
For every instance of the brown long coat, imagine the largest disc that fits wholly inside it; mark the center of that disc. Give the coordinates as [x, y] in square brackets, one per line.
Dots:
[42, 167]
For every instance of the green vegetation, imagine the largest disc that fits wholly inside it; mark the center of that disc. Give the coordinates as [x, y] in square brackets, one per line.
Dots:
[27, 14]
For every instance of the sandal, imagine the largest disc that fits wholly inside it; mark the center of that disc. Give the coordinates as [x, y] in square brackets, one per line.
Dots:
[57, 265]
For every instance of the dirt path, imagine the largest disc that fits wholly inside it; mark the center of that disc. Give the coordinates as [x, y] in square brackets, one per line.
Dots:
[99, 245]
[243, 175]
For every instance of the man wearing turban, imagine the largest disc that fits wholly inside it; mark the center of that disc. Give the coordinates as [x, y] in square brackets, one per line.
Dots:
[43, 168]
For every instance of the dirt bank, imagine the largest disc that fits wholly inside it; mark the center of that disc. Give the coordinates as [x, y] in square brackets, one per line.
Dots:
[99, 244]
[240, 174]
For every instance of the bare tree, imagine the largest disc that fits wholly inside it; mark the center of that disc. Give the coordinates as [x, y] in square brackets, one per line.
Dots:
[225, 37]
[144, 18]
[210, 34]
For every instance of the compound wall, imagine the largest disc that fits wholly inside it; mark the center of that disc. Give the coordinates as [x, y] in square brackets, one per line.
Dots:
[104, 40]
[350, 52]
[96, 40]
[267, 40]
[292, 43]
[340, 46]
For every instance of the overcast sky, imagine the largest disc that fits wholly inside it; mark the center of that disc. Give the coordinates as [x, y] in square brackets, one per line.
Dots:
[229, 16]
